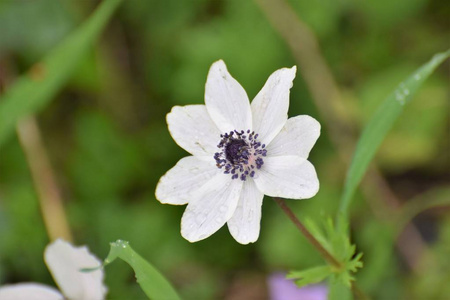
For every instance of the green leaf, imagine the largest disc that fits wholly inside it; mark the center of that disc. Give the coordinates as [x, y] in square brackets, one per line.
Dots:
[32, 91]
[379, 125]
[154, 285]
[309, 276]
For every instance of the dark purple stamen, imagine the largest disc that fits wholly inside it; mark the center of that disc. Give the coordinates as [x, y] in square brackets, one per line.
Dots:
[235, 149]
[240, 153]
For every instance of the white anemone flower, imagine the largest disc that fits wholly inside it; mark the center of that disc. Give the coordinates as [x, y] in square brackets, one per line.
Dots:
[65, 263]
[240, 152]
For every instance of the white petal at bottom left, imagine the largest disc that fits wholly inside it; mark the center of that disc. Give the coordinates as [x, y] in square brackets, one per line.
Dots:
[66, 262]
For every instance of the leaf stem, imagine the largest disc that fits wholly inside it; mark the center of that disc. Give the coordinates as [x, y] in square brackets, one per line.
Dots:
[324, 252]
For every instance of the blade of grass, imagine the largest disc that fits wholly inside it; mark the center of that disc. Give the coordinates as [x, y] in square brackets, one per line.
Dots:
[154, 285]
[379, 125]
[32, 91]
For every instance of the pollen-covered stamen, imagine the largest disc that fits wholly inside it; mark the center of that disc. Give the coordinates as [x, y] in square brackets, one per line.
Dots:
[240, 154]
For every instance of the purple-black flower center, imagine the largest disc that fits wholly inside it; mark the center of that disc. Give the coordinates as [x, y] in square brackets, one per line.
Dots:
[240, 154]
[236, 149]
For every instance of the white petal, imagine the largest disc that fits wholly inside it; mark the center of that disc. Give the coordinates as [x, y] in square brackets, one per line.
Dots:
[245, 222]
[190, 173]
[192, 129]
[226, 100]
[297, 137]
[65, 263]
[29, 291]
[212, 206]
[270, 106]
[287, 177]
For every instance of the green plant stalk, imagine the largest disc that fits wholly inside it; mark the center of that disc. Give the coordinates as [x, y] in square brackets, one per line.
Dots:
[32, 91]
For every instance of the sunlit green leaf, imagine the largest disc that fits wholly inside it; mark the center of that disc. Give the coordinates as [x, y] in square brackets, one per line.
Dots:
[379, 125]
[32, 91]
[154, 285]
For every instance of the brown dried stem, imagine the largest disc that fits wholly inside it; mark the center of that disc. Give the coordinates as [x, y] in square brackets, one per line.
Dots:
[44, 180]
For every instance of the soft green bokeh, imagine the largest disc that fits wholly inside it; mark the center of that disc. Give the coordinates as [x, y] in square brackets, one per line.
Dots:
[108, 142]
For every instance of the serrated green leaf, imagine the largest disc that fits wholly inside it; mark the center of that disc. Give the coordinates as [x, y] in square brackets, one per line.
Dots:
[351, 266]
[309, 276]
[379, 125]
[154, 285]
[32, 91]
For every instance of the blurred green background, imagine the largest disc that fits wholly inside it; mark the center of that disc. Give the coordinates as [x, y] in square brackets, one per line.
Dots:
[108, 143]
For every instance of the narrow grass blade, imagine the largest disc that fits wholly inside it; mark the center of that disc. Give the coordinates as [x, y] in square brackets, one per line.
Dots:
[379, 125]
[32, 91]
[154, 285]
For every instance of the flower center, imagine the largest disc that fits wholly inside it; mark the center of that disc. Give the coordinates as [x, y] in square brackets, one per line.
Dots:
[236, 149]
[240, 154]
